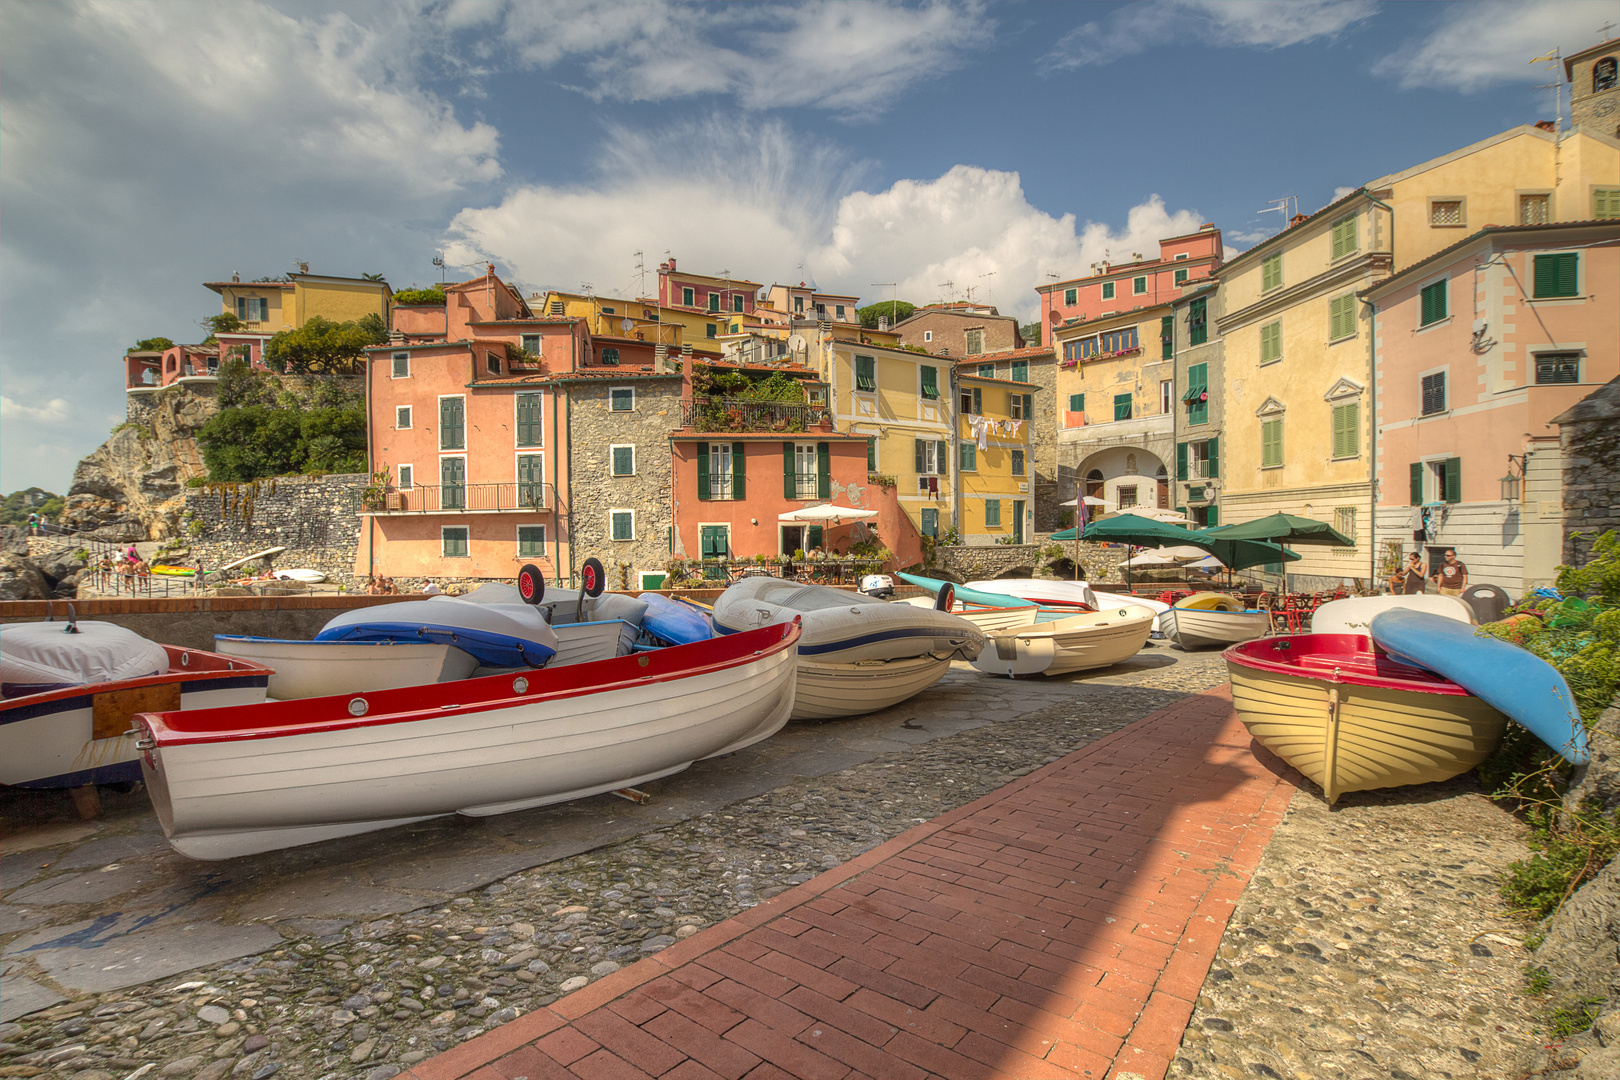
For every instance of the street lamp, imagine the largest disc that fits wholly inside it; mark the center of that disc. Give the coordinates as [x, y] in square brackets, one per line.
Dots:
[1511, 483]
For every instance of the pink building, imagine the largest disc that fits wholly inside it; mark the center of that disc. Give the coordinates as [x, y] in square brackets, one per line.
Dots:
[1117, 287]
[1476, 349]
[704, 293]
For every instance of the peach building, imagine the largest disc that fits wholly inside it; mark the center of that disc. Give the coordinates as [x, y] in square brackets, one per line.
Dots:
[1476, 349]
[1115, 287]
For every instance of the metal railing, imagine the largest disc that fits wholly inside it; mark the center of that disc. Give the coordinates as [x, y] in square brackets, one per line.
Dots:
[736, 414]
[458, 498]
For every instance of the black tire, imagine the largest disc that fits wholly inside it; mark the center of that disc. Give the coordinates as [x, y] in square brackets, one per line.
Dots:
[531, 584]
[946, 598]
[593, 577]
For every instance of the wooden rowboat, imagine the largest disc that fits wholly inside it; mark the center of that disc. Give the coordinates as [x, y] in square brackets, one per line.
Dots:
[1203, 620]
[1096, 639]
[1348, 716]
[826, 691]
[229, 782]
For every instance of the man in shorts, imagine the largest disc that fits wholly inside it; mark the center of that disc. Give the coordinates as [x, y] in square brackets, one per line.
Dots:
[1452, 576]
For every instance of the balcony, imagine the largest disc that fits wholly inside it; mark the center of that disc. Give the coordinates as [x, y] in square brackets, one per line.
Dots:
[458, 499]
[739, 415]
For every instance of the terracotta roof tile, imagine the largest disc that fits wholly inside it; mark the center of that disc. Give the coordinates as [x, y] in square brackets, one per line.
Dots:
[1009, 354]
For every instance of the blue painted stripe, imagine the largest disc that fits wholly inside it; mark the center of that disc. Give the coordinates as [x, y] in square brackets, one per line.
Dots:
[120, 772]
[12, 714]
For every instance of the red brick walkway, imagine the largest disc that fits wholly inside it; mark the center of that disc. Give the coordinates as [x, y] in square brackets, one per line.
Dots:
[1059, 927]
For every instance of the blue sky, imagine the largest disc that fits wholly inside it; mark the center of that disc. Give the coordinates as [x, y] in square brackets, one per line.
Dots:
[145, 148]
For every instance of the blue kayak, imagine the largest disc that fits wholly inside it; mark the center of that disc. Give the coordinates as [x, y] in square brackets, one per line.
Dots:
[964, 595]
[674, 622]
[1518, 684]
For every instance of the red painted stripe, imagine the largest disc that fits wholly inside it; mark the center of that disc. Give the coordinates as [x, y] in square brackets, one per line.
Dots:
[276, 719]
[1342, 659]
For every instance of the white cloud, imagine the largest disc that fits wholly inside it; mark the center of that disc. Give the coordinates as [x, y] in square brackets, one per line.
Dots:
[854, 59]
[782, 203]
[1265, 24]
[53, 411]
[151, 147]
[1474, 46]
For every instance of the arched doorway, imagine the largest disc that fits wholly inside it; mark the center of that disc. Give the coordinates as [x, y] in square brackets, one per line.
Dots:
[1094, 483]
[1164, 488]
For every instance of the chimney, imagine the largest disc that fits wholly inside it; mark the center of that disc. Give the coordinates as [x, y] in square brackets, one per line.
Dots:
[1296, 219]
[671, 264]
[1208, 226]
[883, 322]
[1547, 125]
[661, 358]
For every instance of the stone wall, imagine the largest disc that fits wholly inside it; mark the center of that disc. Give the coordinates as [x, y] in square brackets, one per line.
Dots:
[965, 563]
[1590, 439]
[594, 493]
[314, 517]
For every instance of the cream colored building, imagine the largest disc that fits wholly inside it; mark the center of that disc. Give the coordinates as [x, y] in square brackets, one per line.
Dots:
[1298, 376]
[269, 307]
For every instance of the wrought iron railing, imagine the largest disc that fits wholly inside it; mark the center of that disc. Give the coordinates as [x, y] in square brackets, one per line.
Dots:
[737, 414]
[457, 498]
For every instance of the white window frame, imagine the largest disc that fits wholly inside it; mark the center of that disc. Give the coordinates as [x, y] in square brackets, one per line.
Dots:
[524, 343]
[643, 575]
[688, 297]
[493, 363]
[406, 472]
[1166, 395]
[1139, 286]
[1434, 472]
[517, 540]
[627, 389]
[621, 446]
[722, 478]
[1198, 467]
[402, 413]
[928, 335]
[394, 369]
[439, 415]
[1183, 255]
[726, 525]
[801, 450]
[930, 458]
[459, 528]
[621, 510]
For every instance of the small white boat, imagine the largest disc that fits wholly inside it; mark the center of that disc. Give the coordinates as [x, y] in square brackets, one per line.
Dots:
[826, 691]
[985, 618]
[842, 627]
[230, 782]
[1354, 615]
[1158, 607]
[1040, 590]
[308, 577]
[69, 698]
[1205, 620]
[1096, 639]
[306, 669]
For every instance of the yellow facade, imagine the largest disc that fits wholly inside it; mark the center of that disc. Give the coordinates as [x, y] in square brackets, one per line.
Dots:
[993, 480]
[288, 305]
[605, 316]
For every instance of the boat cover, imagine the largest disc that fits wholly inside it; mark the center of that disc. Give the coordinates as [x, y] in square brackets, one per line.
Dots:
[674, 622]
[36, 658]
[489, 632]
[844, 627]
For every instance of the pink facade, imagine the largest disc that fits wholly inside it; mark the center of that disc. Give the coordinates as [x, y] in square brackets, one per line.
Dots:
[704, 293]
[1123, 287]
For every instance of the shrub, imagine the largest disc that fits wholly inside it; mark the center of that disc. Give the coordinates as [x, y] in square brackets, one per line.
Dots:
[433, 294]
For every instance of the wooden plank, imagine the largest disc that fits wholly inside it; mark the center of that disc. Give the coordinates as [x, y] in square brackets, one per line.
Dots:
[110, 711]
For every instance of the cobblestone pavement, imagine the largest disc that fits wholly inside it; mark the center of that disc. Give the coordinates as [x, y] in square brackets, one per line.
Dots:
[436, 962]
[1371, 942]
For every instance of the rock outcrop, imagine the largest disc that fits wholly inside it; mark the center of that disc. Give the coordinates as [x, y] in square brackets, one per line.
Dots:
[132, 487]
[21, 579]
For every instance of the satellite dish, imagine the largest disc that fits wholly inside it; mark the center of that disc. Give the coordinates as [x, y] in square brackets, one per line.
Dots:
[796, 343]
[626, 325]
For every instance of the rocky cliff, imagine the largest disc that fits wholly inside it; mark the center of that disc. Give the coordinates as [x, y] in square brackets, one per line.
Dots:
[132, 487]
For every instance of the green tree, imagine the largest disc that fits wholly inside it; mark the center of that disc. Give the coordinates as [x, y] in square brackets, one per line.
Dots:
[322, 346]
[371, 277]
[252, 441]
[895, 310]
[1031, 333]
[334, 440]
[223, 323]
[151, 344]
[375, 328]
[240, 385]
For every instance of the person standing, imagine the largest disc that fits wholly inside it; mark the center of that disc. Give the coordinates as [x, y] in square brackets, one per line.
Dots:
[1410, 579]
[1452, 576]
[33, 524]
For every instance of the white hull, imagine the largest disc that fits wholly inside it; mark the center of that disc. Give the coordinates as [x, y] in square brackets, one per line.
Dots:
[1355, 614]
[844, 627]
[831, 690]
[986, 619]
[1197, 628]
[1158, 607]
[1094, 640]
[309, 669]
[581, 643]
[256, 790]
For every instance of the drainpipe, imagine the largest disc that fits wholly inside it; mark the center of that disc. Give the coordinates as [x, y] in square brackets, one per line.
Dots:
[1372, 400]
[955, 450]
[569, 413]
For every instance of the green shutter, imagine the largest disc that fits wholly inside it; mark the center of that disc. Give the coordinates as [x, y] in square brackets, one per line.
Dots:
[1341, 316]
[1606, 204]
[1167, 337]
[1567, 265]
[930, 382]
[943, 451]
[1198, 321]
[790, 481]
[812, 537]
[1271, 342]
[1433, 303]
[1214, 457]
[992, 513]
[922, 458]
[823, 470]
[1417, 483]
[452, 427]
[703, 470]
[1344, 237]
[1271, 272]
[1214, 517]
[865, 373]
[1271, 443]
[871, 453]
[1346, 431]
[1122, 406]
[1453, 480]
[1181, 461]
[739, 471]
[529, 430]
[1077, 403]
[1020, 371]
[1555, 275]
[968, 456]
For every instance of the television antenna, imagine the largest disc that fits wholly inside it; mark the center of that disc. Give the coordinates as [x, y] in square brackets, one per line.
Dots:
[438, 260]
[950, 290]
[1552, 60]
[1280, 206]
[988, 292]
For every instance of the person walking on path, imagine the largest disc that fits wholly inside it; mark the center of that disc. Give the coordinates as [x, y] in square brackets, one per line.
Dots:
[33, 524]
[1452, 576]
[1411, 577]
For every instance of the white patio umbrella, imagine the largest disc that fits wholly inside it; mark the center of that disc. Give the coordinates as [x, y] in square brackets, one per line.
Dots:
[1090, 500]
[1145, 559]
[1183, 553]
[823, 513]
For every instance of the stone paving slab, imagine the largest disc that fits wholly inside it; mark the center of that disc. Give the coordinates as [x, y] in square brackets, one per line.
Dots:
[1061, 926]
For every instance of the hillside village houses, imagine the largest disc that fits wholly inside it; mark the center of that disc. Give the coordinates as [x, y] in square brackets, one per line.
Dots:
[1392, 363]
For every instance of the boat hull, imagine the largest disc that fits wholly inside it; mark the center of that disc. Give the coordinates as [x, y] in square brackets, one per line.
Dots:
[1202, 628]
[267, 777]
[1354, 615]
[826, 691]
[69, 738]
[985, 618]
[308, 669]
[1095, 640]
[1358, 732]
[842, 627]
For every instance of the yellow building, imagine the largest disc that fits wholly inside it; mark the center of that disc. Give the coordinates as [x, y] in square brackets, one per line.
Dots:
[994, 419]
[607, 316]
[268, 307]
[1298, 367]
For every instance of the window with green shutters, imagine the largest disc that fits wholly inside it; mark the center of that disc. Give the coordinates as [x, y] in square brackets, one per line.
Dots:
[1167, 337]
[971, 400]
[452, 423]
[610, 357]
[1198, 321]
[1108, 290]
[1138, 286]
[1271, 443]
[1181, 277]
[871, 453]
[929, 381]
[930, 522]
[714, 301]
[453, 541]
[1077, 403]
[1606, 204]
[969, 461]
[1555, 275]
[1018, 463]
[624, 524]
[453, 483]
[1344, 236]
[1122, 406]
[1271, 272]
[1020, 371]
[624, 461]
[987, 371]
[865, 373]
[1347, 430]
[1212, 451]
[1197, 393]
[1432, 302]
[530, 431]
[531, 541]
[1342, 317]
[1271, 342]
[721, 471]
[992, 513]
[1071, 297]
[531, 474]
[622, 398]
[737, 303]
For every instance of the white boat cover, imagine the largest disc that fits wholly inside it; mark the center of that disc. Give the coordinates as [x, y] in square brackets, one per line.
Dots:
[310, 577]
[843, 627]
[36, 657]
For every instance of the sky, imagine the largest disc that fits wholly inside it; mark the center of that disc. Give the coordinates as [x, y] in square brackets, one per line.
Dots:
[148, 147]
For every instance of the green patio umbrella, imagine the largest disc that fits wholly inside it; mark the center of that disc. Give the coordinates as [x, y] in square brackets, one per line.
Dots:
[1283, 529]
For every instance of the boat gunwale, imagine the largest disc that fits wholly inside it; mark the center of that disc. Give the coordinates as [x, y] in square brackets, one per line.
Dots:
[1418, 681]
[1061, 627]
[171, 729]
[235, 667]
